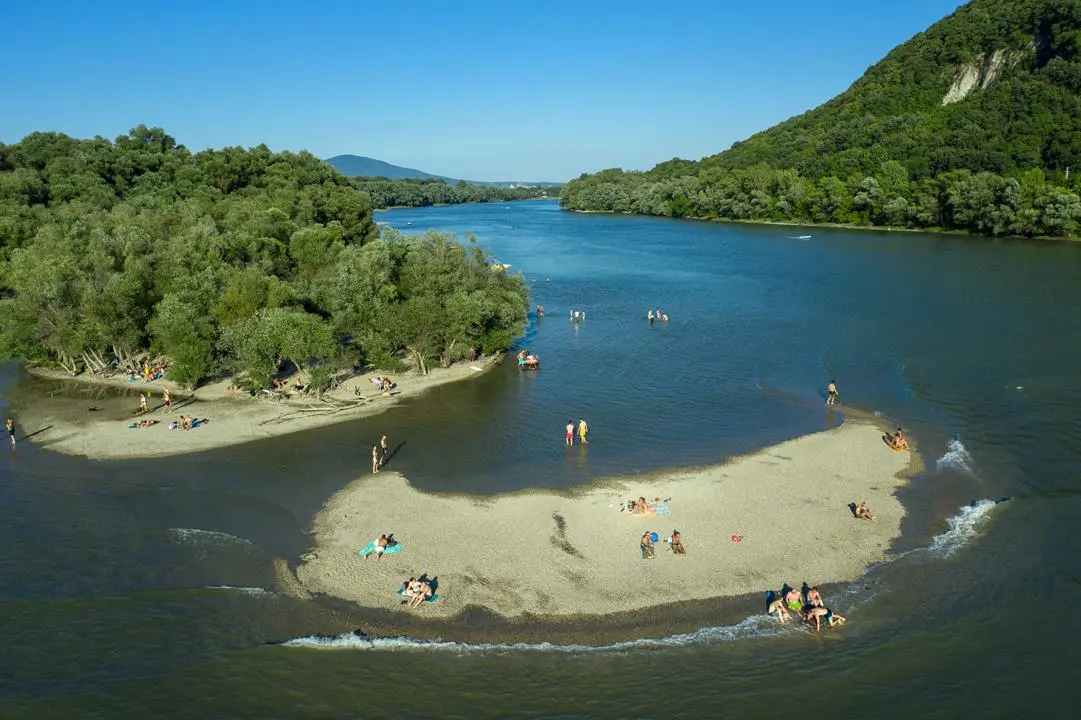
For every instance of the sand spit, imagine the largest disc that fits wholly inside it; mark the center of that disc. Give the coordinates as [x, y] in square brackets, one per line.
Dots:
[778, 515]
[99, 428]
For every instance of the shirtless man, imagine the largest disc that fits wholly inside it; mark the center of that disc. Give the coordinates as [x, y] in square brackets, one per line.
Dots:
[422, 591]
[817, 613]
[794, 600]
[381, 546]
[831, 393]
[864, 512]
[168, 399]
[375, 459]
[778, 610]
[10, 427]
[570, 433]
[384, 448]
[814, 598]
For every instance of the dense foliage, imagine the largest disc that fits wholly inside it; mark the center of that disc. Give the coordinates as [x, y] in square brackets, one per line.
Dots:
[226, 260]
[422, 193]
[889, 151]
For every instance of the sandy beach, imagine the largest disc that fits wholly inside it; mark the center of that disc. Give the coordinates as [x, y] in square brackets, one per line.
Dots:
[98, 427]
[748, 525]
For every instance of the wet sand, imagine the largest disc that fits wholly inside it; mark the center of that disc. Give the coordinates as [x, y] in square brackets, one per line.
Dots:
[98, 427]
[751, 524]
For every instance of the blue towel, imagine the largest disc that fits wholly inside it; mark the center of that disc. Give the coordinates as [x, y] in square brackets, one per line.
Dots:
[370, 548]
[433, 598]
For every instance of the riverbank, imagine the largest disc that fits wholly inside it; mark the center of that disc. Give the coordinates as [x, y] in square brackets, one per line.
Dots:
[97, 424]
[836, 226]
[748, 525]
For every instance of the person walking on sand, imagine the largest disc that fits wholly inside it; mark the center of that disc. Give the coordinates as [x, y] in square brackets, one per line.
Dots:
[582, 430]
[10, 425]
[375, 459]
[570, 433]
[168, 399]
[142, 403]
[384, 448]
[831, 393]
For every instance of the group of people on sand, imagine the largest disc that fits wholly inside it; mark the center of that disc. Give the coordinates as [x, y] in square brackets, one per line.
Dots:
[583, 429]
[380, 454]
[646, 544]
[896, 440]
[806, 604]
[417, 591]
[148, 373]
[186, 422]
[641, 507]
[383, 383]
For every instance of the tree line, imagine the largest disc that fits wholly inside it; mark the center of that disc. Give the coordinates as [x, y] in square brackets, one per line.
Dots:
[891, 152]
[227, 260]
[423, 193]
[981, 202]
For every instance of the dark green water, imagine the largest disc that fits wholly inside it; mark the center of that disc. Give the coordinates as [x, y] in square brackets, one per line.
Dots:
[145, 589]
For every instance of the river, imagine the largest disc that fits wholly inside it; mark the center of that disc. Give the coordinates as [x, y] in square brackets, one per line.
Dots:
[147, 588]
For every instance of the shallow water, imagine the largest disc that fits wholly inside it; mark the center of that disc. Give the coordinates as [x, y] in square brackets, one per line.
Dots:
[131, 587]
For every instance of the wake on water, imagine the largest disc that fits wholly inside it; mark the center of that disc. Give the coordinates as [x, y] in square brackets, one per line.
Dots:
[194, 536]
[956, 457]
[962, 527]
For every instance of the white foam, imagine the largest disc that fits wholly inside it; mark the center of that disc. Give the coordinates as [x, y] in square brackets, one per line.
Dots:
[956, 457]
[963, 526]
[194, 536]
[753, 627]
[253, 591]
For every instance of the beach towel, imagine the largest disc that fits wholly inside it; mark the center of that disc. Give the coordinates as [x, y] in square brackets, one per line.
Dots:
[433, 598]
[662, 509]
[370, 548]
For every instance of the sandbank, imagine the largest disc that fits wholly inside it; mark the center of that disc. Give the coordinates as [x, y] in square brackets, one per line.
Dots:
[552, 554]
[98, 426]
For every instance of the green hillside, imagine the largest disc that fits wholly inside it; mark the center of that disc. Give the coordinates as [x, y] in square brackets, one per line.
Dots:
[360, 166]
[973, 124]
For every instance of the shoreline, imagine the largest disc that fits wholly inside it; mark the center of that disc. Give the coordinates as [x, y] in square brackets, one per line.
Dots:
[100, 430]
[570, 559]
[836, 226]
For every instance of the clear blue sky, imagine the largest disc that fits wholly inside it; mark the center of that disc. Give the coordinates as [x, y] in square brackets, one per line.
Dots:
[481, 90]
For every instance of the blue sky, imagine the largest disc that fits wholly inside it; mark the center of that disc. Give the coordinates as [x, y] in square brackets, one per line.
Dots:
[481, 90]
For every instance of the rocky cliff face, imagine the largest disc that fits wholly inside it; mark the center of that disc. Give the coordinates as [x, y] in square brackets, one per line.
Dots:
[981, 72]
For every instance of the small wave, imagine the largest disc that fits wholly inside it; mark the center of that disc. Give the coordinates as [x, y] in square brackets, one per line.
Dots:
[963, 526]
[957, 457]
[253, 591]
[194, 536]
[753, 627]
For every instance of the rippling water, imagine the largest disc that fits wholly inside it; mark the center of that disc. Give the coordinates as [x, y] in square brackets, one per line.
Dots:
[147, 588]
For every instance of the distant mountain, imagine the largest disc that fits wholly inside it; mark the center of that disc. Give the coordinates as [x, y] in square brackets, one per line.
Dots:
[360, 166]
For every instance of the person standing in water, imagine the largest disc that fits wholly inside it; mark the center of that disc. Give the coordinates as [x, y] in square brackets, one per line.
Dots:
[831, 393]
[649, 316]
[10, 425]
[570, 433]
[582, 430]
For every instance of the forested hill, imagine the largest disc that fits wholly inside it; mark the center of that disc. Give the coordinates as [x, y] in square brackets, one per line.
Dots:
[973, 124]
[226, 260]
[360, 166]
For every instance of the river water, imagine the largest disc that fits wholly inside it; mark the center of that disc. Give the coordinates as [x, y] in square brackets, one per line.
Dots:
[147, 588]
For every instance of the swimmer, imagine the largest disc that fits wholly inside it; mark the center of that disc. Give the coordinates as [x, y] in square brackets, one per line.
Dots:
[831, 393]
[10, 427]
[570, 433]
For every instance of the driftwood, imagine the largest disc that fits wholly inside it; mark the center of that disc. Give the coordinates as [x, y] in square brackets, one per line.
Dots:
[326, 406]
